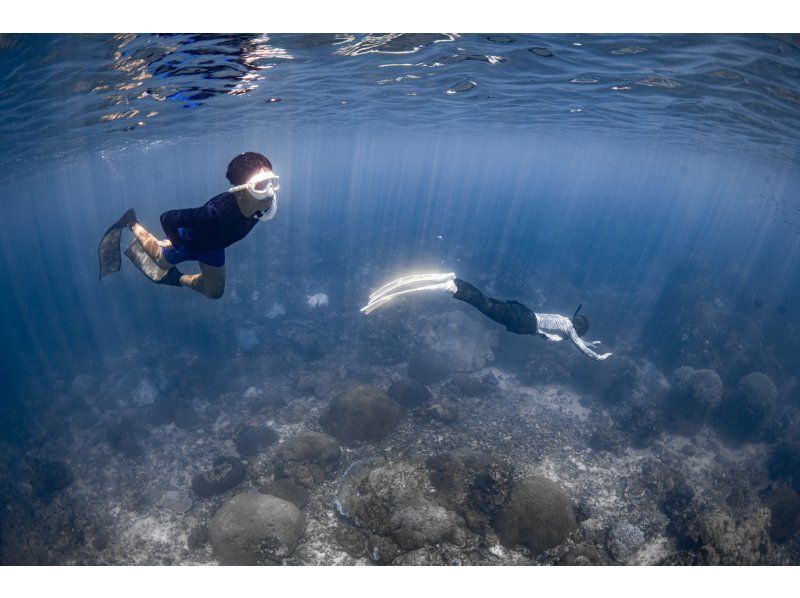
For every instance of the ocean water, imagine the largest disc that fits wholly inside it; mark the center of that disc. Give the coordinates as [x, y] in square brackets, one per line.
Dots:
[651, 179]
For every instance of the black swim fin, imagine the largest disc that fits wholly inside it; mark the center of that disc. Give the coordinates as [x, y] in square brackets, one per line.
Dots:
[128, 219]
[109, 252]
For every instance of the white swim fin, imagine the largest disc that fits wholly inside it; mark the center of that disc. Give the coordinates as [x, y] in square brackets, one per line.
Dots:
[410, 284]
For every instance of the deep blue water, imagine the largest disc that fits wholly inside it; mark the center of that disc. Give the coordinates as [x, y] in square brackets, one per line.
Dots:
[554, 170]
[519, 211]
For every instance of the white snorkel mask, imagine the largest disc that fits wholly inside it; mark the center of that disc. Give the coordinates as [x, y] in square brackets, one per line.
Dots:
[262, 186]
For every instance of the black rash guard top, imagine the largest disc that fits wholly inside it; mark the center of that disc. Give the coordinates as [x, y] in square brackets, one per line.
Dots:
[216, 225]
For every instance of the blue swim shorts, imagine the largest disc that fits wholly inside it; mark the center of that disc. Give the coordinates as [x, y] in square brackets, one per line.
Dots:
[176, 255]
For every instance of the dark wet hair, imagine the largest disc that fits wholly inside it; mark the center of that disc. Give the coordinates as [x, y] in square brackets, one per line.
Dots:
[243, 166]
[581, 324]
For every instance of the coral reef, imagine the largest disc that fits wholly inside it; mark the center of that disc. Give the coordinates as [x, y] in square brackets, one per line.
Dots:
[391, 500]
[361, 413]
[693, 396]
[381, 450]
[472, 483]
[538, 515]
[255, 529]
[409, 393]
[744, 413]
[308, 458]
[252, 439]
[624, 540]
[225, 473]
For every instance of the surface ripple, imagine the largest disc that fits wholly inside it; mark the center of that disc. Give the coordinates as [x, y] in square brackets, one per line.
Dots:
[65, 92]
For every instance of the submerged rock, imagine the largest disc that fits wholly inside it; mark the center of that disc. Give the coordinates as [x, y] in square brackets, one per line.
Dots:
[409, 393]
[308, 458]
[572, 555]
[177, 501]
[468, 386]
[473, 484]
[613, 381]
[538, 515]
[46, 477]
[267, 401]
[605, 437]
[691, 319]
[197, 537]
[721, 540]
[361, 413]
[123, 438]
[255, 529]
[166, 411]
[641, 418]
[425, 524]
[708, 536]
[185, 417]
[350, 540]
[784, 507]
[443, 412]
[372, 491]
[784, 463]
[678, 505]
[225, 473]
[287, 490]
[744, 412]
[392, 501]
[693, 396]
[624, 540]
[382, 550]
[251, 440]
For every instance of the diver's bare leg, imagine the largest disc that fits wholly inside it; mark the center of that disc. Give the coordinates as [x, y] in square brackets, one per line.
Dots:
[152, 246]
[210, 282]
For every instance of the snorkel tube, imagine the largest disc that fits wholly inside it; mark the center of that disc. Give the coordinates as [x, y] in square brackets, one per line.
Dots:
[577, 311]
[269, 214]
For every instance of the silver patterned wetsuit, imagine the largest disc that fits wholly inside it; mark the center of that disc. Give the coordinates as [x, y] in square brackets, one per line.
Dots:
[557, 327]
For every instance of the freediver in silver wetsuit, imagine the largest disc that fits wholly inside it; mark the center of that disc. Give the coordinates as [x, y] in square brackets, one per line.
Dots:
[516, 317]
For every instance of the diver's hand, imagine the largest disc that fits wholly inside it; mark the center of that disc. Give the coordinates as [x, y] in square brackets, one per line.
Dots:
[165, 244]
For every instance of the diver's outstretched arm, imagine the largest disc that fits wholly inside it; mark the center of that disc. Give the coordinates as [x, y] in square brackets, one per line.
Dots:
[584, 347]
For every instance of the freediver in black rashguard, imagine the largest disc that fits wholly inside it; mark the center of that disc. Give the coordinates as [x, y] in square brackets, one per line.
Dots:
[199, 234]
[513, 315]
